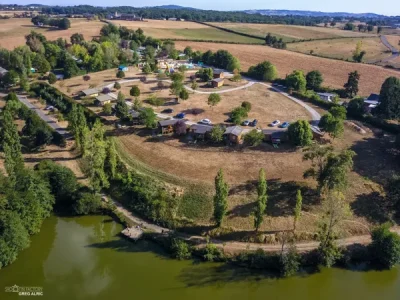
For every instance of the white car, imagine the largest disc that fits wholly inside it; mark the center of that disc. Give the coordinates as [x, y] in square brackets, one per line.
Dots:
[49, 107]
[275, 123]
[246, 123]
[205, 122]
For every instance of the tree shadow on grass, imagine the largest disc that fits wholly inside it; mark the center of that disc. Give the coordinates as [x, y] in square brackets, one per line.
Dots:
[373, 206]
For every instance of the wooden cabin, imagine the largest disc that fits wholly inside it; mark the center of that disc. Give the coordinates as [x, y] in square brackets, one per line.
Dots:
[218, 73]
[275, 136]
[92, 93]
[103, 99]
[218, 82]
[234, 134]
[200, 132]
[167, 126]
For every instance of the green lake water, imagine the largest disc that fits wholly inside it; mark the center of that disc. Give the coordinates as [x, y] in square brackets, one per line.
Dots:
[84, 258]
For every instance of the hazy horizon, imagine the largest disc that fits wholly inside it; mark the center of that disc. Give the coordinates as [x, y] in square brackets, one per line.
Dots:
[384, 7]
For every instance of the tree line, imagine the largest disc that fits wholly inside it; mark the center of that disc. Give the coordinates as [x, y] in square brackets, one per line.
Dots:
[60, 23]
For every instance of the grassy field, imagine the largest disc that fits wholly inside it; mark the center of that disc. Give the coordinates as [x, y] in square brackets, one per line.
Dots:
[343, 48]
[335, 72]
[394, 40]
[13, 31]
[186, 30]
[289, 32]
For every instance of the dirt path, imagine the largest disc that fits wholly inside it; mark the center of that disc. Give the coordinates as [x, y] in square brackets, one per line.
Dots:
[395, 52]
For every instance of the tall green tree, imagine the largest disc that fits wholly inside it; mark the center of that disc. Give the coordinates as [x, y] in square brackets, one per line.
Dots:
[296, 81]
[11, 145]
[351, 86]
[261, 204]
[314, 80]
[77, 124]
[389, 106]
[135, 91]
[111, 159]
[385, 246]
[94, 157]
[300, 133]
[297, 209]
[333, 126]
[264, 71]
[213, 99]
[220, 198]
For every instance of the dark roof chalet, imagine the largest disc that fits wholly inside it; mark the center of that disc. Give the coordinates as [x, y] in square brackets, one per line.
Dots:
[200, 129]
[373, 97]
[168, 122]
[234, 130]
[218, 71]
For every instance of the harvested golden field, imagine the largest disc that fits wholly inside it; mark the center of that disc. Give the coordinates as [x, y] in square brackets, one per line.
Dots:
[394, 40]
[290, 32]
[13, 31]
[186, 30]
[335, 72]
[343, 48]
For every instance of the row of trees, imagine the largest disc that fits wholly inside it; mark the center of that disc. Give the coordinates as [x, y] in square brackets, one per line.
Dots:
[220, 59]
[60, 23]
[274, 42]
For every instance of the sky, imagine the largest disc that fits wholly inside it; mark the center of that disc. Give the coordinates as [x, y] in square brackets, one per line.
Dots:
[386, 7]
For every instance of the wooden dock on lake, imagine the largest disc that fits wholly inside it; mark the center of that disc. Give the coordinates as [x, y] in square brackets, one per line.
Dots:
[134, 233]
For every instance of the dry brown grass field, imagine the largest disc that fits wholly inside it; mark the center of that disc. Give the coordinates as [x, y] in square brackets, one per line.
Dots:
[335, 72]
[343, 48]
[185, 30]
[13, 31]
[394, 40]
[290, 32]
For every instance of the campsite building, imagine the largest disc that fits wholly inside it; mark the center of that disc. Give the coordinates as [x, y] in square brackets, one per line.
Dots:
[275, 136]
[167, 126]
[103, 99]
[200, 132]
[217, 82]
[234, 134]
[92, 93]
[326, 96]
[218, 73]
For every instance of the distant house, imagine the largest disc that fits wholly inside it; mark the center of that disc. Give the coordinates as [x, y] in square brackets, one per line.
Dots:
[167, 126]
[275, 136]
[3, 71]
[103, 99]
[90, 93]
[371, 102]
[130, 17]
[200, 132]
[218, 73]
[326, 96]
[217, 82]
[234, 134]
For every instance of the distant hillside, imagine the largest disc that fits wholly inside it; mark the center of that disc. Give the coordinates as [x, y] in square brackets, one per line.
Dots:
[308, 13]
[172, 6]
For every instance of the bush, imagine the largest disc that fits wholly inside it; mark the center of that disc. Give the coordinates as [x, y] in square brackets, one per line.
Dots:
[106, 90]
[86, 77]
[217, 134]
[117, 86]
[156, 101]
[135, 91]
[254, 138]
[238, 114]
[87, 203]
[329, 253]
[264, 71]
[120, 74]
[290, 262]
[180, 249]
[212, 253]
[385, 246]
[52, 78]
[246, 105]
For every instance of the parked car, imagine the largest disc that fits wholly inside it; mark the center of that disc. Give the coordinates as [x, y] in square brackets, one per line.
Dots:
[246, 123]
[49, 107]
[285, 125]
[205, 122]
[275, 123]
[168, 111]
[254, 123]
[180, 116]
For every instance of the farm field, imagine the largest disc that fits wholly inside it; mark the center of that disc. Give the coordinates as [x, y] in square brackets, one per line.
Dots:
[343, 48]
[335, 72]
[185, 30]
[13, 31]
[394, 40]
[289, 32]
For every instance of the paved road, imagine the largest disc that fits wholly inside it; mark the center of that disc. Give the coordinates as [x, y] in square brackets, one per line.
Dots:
[53, 124]
[395, 51]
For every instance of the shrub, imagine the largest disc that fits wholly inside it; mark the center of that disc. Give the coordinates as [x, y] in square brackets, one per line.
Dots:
[117, 86]
[212, 253]
[106, 90]
[329, 253]
[52, 78]
[238, 114]
[254, 138]
[135, 91]
[87, 203]
[290, 262]
[246, 105]
[156, 101]
[86, 77]
[263, 71]
[120, 74]
[180, 249]
[385, 246]
[217, 134]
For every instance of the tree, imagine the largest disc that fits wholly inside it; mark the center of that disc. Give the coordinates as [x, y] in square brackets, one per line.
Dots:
[300, 133]
[349, 26]
[135, 91]
[77, 38]
[86, 77]
[217, 134]
[137, 104]
[13, 238]
[370, 28]
[194, 85]
[261, 206]
[290, 261]
[333, 126]
[40, 63]
[297, 209]
[356, 107]
[246, 105]
[296, 81]
[213, 99]
[87, 203]
[107, 109]
[329, 169]
[184, 95]
[176, 87]
[182, 69]
[180, 249]
[220, 198]
[314, 80]
[146, 69]
[70, 68]
[385, 246]
[351, 86]
[121, 109]
[94, 157]
[110, 165]
[338, 112]
[263, 71]
[335, 210]
[238, 114]
[389, 106]
[148, 117]
[52, 78]
[254, 138]
[77, 125]
[117, 85]
[206, 74]
[155, 100]
[180, 127]
[188, 51]
[358, 55]
[9, 79]
[379, 29]
[13, 160]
